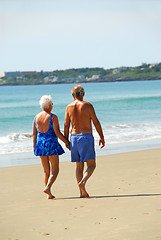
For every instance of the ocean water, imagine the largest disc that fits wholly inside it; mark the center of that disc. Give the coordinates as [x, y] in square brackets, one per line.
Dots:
[129, 112]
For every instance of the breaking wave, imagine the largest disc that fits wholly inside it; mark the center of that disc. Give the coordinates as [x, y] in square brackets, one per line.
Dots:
[114, 134]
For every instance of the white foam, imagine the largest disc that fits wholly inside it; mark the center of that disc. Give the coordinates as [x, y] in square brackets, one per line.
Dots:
[114, 134]
[13, 137]
[121, 133]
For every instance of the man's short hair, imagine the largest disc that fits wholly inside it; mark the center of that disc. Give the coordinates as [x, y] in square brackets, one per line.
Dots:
[78, 91]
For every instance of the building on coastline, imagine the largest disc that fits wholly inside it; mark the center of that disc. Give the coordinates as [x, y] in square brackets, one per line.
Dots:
[120, 70]
[153, 65]
[10, 74]
[15, 74]
[51, 79]
[94, 77]
[29, 72]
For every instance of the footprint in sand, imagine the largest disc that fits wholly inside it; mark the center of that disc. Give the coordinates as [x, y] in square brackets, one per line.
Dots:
[113, 218]
[45, 234]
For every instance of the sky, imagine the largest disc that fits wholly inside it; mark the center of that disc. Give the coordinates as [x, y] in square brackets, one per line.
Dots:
[53, 35]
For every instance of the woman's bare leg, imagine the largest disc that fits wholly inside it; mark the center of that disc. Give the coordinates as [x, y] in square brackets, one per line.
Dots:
[54, 160]
[46, 167]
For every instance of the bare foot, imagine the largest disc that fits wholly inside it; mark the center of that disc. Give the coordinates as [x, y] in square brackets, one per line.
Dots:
[47, 191]
[82, 188]
[82, 196]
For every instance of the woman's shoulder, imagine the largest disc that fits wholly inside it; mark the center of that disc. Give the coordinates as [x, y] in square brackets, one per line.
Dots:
[54, 116]
[39, 115]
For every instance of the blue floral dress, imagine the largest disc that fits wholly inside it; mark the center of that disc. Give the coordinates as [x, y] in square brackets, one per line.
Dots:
[47, 143]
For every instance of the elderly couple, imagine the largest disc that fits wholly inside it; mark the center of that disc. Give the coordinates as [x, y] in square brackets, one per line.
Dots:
[46, 132]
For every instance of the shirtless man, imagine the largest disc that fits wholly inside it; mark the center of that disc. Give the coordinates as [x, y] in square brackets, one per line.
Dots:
[81, 114]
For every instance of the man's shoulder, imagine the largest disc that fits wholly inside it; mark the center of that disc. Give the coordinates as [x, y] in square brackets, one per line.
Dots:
[83, 103]
[70, 104]
[88, 104]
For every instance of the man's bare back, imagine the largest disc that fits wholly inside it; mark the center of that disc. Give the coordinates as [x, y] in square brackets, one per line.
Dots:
[80, 112]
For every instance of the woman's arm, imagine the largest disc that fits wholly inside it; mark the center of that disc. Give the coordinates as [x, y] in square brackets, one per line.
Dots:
[34, 135]
[66, 124]
[58, 132]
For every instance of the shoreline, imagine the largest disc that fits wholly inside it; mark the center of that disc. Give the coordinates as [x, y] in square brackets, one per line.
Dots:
[28, 158]
[124, 203]
[119, 79]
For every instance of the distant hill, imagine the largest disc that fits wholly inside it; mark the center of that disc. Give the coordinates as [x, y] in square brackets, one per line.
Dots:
[80, 75]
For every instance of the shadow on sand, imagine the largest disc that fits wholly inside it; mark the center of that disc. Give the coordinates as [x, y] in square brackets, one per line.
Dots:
[115, 196]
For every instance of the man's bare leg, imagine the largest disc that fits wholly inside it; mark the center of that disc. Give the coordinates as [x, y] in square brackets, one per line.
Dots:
[91, 164]
[79, 174]
[54, 160]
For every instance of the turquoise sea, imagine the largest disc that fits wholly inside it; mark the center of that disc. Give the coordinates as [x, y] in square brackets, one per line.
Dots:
[130, 114]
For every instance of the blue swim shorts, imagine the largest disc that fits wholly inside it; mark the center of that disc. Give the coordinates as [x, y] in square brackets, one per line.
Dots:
[82, 147]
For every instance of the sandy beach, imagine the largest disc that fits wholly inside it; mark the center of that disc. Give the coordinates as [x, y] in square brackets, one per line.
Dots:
[124, 203]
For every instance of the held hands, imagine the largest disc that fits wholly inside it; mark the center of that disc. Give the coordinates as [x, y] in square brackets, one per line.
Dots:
[68, 145]
[101, 143]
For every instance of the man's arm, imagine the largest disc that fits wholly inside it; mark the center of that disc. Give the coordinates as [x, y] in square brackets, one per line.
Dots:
[98, 127]
[66, 124]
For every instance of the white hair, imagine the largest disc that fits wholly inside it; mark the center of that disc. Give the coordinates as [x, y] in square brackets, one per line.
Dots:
[45, 101]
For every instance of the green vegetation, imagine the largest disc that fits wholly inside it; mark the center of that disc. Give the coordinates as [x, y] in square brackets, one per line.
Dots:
[74, 73]
[143, 72]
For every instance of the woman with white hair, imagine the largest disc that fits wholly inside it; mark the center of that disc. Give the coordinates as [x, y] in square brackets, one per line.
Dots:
[46, 132]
